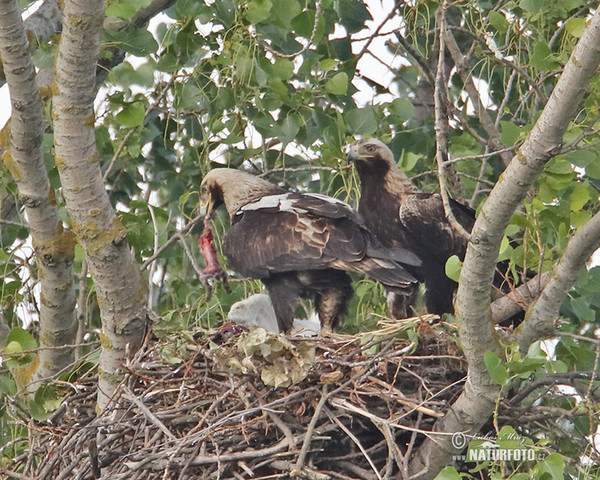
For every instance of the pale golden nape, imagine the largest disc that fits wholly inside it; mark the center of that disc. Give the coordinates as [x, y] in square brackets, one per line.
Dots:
[236, 187]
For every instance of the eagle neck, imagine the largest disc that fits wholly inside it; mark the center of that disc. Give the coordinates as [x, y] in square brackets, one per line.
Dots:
[382, 192]
[243, 193]
[397, 181]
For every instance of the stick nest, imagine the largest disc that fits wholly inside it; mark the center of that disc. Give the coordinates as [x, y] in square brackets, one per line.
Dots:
[259, 405]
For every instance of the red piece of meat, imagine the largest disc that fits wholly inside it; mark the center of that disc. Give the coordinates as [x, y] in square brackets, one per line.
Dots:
[208, 250]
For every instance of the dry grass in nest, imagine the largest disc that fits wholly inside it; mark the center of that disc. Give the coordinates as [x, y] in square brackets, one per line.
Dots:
[356, 411]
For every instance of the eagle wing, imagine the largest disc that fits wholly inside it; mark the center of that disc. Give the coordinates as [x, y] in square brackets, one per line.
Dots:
[296, 232]
[423, 215]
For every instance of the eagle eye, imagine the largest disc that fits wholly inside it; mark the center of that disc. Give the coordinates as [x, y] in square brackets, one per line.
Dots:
[370, 148]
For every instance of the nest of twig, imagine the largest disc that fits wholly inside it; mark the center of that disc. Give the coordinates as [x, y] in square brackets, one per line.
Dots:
[344, 407]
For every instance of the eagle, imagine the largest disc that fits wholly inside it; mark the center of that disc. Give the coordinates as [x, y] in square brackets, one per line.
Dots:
[403, 217]
[300, 245]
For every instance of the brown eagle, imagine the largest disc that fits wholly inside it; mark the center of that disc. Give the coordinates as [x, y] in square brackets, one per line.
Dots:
[402, 216]
[300, 244]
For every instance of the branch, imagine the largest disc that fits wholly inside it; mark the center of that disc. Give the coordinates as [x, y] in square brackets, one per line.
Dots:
[441, 128]
[540, 322]
[476, 403]
[54, 246]
[41, 25]
[519, 299]
[487, 123]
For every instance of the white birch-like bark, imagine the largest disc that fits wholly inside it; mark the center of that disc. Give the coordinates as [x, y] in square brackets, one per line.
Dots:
[43, 23]
[54, 245]
[476, 403]
[121, 292]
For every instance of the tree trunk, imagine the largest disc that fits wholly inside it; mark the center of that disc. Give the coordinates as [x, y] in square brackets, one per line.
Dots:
[54, 246]
[121, 292]
[476, 403]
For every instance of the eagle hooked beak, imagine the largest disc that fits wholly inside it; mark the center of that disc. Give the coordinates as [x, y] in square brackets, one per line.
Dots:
[353, 155]
[206, 205]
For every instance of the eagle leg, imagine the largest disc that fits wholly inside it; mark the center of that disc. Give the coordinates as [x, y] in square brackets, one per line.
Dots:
[331, 305]
[284, 291]
[399, 302]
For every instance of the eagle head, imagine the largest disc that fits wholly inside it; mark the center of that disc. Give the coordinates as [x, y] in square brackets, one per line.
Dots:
[231, 187]
[211, 194]
[370, 153]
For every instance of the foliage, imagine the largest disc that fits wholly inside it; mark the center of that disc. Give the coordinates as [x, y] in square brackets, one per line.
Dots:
[280, 87]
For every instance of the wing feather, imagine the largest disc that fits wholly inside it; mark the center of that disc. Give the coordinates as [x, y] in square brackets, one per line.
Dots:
[304, 232]
[424, 217]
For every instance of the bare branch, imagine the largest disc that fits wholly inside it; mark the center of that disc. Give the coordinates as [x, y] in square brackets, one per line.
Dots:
[441, 127]
[486, 122]
[519, 299]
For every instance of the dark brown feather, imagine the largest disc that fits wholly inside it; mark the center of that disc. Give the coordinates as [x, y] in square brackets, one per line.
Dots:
[403, 217]
[300, 245]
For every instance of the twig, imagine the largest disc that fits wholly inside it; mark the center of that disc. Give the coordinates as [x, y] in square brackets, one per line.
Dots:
[400, 398]
[153, 418]
[441, 127]
[153, 264]
[176, 236]
[81, 308]
[309, 430]
[354, 439]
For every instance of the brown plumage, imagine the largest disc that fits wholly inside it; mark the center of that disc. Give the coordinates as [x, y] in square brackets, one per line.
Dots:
[300, 245]
[401, 216]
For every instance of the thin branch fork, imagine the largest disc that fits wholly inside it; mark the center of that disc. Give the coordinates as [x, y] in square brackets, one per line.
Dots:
[441, 127]
[484, 118]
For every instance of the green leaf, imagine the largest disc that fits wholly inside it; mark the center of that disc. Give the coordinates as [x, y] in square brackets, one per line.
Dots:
[125, 8]
[543, 58]
[453, 267]
[509, 133]
[448, 473]
[580, 158]
[284, 10]
[289, 128]
[495, 368]
[408, 160]
[46, 400]
[352, 14]
[7, 384]
[498, 21]
[402, 109]
[361, 121]
[44, 57]
[338, 84]
[579, 197]
[132, 114]
[190, 8]
[283, 69]
[259, 10]
[554, 464]
[534, 6]
[17, 341]
[328, 64]
[575, 26]
[137, 41]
